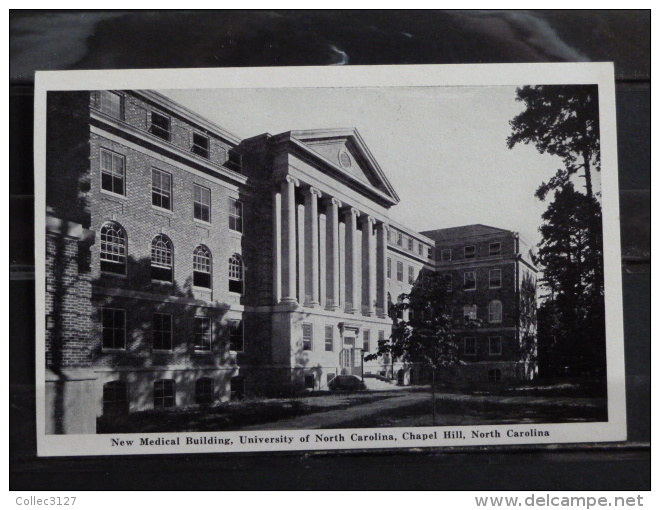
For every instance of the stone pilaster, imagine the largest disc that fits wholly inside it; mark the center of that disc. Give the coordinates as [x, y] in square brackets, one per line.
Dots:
[289, 254]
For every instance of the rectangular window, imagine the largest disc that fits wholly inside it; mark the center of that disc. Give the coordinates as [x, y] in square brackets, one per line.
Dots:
[160, 126]
[399, 271]
[236, 337]
[470, 280]
[234, 160]
[420, 248]
[307, 336]
[310, 381]
[469, 252]
[411, 275]
[495, 278]
[202, 207]
[366, 340]
[112, 104]
[114, 328]
[235, 215]
[494, 249]
[449, 280]
[329, 338]
[389, 267]
[399, 239]
[200, 145]
[162, 332]
[161, 189]
[410, 244]
[470, 346]
[164, 394]
[113, 168]
[430, 253]
[445, 255]
[381, 336]
[203, 332]
[204, 393]
[495, 311]
[494, 345]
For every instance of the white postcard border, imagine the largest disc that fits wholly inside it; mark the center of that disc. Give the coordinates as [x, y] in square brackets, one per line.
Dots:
[601, 74]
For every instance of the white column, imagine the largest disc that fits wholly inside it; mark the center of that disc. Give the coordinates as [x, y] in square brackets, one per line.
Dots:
[343, 297]
[381, 234]
[277, 246]
[369, 265]
[352, 253]
[302, 288]
[334, 264]
[323, 260]
[289, 244]
[312, 245]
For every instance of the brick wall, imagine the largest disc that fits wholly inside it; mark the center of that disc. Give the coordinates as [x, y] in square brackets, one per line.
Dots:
[68, 304]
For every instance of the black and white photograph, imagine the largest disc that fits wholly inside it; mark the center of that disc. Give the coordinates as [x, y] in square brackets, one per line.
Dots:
[301, 259]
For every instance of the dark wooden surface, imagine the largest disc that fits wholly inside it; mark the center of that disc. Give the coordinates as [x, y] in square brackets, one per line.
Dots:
[119, 40]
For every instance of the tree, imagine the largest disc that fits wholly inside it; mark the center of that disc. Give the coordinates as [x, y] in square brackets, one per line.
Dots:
[572, 318]
[561, 120]
[428, 336]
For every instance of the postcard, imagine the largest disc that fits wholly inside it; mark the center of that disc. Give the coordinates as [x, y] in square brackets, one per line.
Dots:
[316, 258]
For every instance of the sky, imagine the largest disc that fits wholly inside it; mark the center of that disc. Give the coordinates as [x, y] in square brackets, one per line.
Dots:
[442, 148]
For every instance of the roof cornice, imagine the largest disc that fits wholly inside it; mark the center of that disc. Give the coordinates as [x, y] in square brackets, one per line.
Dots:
[188, 114]
[289, 139]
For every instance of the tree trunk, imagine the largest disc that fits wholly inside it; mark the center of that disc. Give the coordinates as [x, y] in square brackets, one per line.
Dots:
[433, 394]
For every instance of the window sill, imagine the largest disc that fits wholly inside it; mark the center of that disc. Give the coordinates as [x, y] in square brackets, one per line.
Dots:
[161, 282]
[110, 351]
[118, 275]
[162, 351]
[495, 287]
[111, 194]
[162, 210]
[203, 352]
[202, 222]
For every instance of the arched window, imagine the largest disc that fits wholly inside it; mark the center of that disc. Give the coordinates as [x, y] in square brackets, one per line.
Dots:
[115, 398]
[495, 311]
[470, 313]
[113, 248]
[236, 274]
[161, 258]
[204, 393]
[202, 267]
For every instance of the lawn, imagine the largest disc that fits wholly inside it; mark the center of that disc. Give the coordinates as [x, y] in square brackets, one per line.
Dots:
[233, 415]
[558, 402]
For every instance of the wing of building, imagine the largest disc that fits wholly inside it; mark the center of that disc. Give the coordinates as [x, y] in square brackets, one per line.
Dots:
[186, 266]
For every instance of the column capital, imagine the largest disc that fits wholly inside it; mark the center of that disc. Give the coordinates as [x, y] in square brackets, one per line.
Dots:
[313, 191]
[290, 178]
[384, 226]
[352, 211]
[335, 201]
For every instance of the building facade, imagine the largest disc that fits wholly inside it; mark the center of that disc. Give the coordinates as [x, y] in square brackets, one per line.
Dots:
[490, 273]
[186, 266]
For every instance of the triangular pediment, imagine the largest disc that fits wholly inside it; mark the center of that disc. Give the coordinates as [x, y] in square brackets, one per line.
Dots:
[345, 150]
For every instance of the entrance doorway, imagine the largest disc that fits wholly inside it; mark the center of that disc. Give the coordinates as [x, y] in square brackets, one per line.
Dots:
[347, 358]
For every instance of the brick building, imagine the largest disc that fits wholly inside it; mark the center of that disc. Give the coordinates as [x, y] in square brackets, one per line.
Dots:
[186, 266]
[490, 273]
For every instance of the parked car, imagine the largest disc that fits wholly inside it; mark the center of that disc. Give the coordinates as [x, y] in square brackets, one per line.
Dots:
[346, 383]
